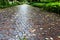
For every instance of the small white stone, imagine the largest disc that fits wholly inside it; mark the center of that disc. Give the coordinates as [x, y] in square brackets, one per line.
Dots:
[11, 19]
[51, 38]
[16, 36]
[43, 33]
[29, 35]
[49, 28]
[41, 28]
[17, 15]
[34, 34]
[47, 38]
[58, 36]
[24, 34]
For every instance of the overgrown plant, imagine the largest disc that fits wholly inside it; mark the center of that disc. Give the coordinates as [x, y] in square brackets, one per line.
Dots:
[51, 6]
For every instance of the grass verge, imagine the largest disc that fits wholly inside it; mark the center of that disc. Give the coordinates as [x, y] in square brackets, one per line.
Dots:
[51, 6]
[10, 4]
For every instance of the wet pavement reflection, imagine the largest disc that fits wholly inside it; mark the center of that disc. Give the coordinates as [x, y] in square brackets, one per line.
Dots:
[30, 22]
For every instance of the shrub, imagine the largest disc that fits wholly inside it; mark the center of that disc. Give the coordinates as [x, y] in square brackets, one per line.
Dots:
[51, 7]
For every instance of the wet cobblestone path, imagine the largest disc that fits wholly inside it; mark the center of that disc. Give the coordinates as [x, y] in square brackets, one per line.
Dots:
[30, 22]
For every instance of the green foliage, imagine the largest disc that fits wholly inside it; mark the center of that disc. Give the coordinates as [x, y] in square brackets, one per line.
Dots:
[22, 38]
[4, 2]
[42, 0]
[51, 6]
[7, 3]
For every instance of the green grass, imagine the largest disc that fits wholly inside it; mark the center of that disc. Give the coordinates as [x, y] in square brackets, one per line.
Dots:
[10, 4]
[51, 6]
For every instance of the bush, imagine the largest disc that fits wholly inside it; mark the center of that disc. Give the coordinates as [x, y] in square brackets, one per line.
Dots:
[51, 7]
[10, 4]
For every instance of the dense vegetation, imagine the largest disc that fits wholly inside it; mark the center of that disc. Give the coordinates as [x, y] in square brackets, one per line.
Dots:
[49, 5]
[9, 3]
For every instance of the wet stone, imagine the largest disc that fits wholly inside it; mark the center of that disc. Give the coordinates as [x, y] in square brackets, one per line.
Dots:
[30, 22]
